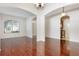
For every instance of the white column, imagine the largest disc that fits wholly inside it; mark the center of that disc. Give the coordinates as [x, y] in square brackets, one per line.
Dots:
[40, 35]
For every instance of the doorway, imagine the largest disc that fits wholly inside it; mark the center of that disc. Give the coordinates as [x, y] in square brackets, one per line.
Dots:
[34, 36]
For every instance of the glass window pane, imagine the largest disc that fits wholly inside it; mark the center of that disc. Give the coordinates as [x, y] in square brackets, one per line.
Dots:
[11, 26]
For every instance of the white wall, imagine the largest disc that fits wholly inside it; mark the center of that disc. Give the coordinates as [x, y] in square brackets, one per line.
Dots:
[21, 21]
[53, 26]
[74, 25]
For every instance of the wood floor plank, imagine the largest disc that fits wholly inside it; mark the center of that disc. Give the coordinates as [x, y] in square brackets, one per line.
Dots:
[24, 46]
[17, 47]
[53, 48]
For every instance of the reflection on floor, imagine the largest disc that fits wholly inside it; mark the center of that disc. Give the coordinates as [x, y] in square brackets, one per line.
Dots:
[16, 46]
[53, 48]
[24, 46]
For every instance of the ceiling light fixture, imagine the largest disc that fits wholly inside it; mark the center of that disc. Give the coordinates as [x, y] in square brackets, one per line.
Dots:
[39, 5]
[63, 13]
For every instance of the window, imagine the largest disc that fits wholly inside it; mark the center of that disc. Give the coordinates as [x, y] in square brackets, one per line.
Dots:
[11, 26]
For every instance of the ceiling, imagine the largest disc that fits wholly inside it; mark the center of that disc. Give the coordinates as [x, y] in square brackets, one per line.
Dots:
[15, 12]
[67, 9]
[24, 13]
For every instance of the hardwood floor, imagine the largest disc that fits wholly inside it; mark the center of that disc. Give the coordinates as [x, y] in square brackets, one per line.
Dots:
[34, 46]
[21, 46]
[53, 48]
[24, 46]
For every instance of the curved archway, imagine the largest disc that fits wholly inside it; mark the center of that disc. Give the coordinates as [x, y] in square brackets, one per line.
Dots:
[23, 6]
[17, 39]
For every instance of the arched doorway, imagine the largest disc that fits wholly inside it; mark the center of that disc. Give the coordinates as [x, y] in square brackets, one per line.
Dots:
[15, 43]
